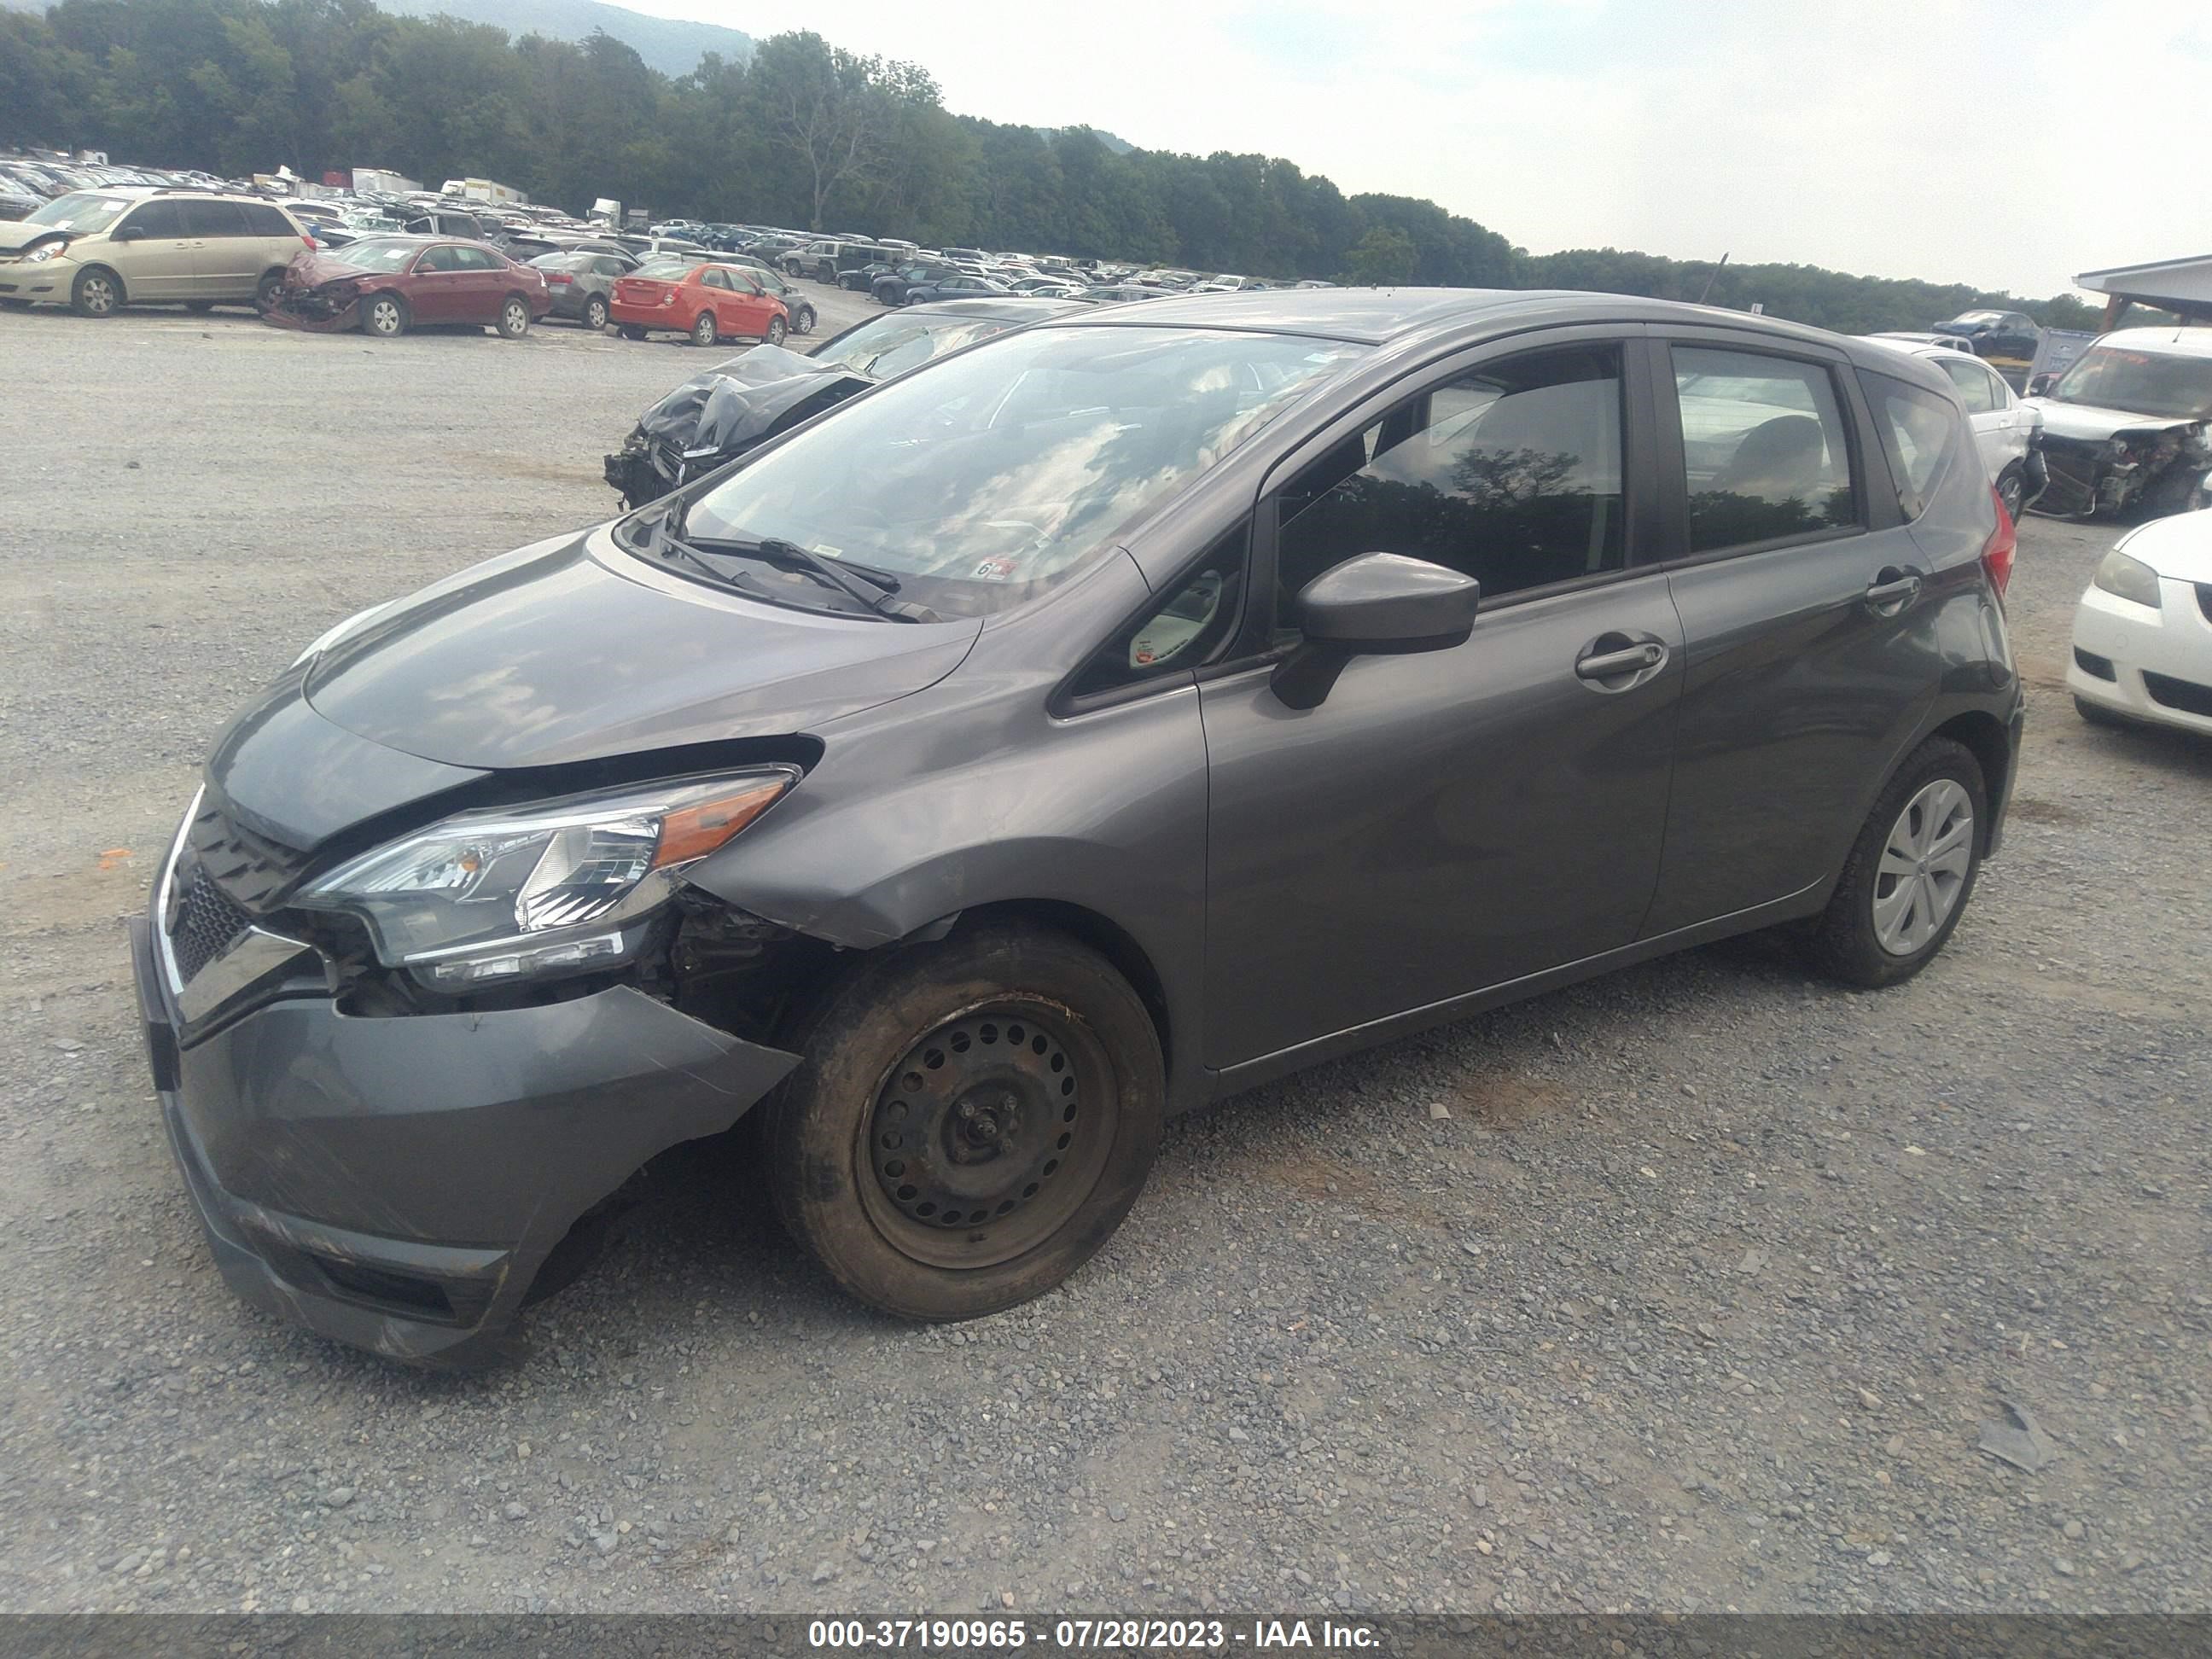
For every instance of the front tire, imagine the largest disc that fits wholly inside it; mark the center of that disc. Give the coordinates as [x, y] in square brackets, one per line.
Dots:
[97, 292]
[970, 1121]
[804, 322]
[776, 331]
[385, 316]
[1909, 873]
[513, 318]
[704, 331]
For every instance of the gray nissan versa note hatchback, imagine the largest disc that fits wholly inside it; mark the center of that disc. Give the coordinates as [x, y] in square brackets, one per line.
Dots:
[1111, 716]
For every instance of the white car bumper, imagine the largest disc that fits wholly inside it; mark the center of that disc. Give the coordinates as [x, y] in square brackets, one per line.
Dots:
[2125, 643]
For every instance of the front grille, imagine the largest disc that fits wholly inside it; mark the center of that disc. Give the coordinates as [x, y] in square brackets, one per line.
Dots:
[2187, 695]
[207, 921]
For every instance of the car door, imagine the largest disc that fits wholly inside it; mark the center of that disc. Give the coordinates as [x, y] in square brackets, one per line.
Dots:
[752, 304]
[1448, 822]
[435, 296]
[2000, 434]
[157, 256]
[223, 264]
[1811, 653]
[481, 282]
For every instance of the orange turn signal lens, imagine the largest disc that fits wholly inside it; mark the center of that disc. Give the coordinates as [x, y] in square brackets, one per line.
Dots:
[692, 832]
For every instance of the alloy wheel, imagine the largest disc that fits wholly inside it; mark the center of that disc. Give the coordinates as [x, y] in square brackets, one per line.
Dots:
[99, 294]
[1925, 861]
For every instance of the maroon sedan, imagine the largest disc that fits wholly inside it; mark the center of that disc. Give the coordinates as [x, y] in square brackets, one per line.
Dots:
[386, 285]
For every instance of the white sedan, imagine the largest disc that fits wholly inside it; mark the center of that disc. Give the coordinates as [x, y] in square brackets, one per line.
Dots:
[2142, 635]
[2005, 427]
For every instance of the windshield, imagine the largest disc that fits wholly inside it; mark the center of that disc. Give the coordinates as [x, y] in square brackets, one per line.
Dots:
[379, 256]
[2141, 382]
[885, 347]
[996, 474]
[81, 211]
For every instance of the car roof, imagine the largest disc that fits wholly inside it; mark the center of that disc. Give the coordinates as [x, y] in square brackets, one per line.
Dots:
[1010, 307]
[1390, 316]
[2166, 340]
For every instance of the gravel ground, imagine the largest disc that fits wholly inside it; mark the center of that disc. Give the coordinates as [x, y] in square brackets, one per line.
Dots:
[1690, 1289]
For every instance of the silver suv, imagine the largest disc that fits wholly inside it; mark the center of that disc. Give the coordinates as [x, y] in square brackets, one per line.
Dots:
[98, 251]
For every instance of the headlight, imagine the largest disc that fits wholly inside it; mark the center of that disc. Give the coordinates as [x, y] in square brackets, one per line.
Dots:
[498, 894]
[2130, 579]
[330, 636]
[38, 256]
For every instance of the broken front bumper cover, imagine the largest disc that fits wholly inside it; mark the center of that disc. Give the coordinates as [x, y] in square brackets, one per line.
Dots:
[399, 1183]
[313, 310]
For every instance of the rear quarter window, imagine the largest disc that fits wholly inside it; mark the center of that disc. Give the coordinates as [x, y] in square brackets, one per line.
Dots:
[1921, 434]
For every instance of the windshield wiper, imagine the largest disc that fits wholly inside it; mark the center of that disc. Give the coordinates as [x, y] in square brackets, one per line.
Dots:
[874, 588]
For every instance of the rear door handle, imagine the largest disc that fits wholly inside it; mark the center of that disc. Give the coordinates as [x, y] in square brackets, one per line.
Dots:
[1893, 595]
[1612, 665]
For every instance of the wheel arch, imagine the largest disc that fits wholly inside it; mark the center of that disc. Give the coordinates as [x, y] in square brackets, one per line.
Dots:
[1102, 934]
[102, 267]
[1985, 737]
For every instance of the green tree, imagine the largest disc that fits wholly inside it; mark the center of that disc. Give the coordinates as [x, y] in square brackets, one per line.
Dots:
[1384, 256]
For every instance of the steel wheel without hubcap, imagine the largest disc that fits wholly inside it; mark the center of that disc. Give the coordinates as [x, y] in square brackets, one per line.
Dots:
[1924, 868]
[987, 1135]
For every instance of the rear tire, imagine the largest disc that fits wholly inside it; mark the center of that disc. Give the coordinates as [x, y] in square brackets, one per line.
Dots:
[266, 290]
[513, 318]
[2012, 490]
[1008, 1077]
[595, 314]
[704, 330]
[1910, 873]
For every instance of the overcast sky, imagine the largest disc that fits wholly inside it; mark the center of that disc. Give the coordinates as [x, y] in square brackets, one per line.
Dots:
[2007, 145]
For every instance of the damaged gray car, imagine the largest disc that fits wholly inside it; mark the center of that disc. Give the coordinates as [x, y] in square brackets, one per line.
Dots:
[1118, 713]
[717, 415]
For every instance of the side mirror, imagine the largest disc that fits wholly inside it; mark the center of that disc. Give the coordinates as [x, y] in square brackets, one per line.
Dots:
[1377, 604]
[2039, 386]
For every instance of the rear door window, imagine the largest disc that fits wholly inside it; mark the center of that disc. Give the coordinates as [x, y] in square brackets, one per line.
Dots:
[263, 219]
[1973, 382]
[1919, 433]
[204, 218]
[1764, 448]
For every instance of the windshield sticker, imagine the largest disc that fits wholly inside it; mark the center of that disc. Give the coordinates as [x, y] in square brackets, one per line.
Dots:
[994, 570]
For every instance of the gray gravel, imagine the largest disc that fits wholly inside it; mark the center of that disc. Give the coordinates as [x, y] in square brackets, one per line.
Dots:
[1691, 1289]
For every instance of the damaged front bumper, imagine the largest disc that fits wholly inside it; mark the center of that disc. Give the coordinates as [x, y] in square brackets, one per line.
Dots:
[401, 1183]
[314, 310]
[643, 470]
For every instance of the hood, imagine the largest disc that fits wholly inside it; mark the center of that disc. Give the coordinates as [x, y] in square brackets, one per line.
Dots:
[2091, 423]
[312, 269]
[573, 650]
[293, 779]
[752, 396]
[2179, 547]
[20, 236]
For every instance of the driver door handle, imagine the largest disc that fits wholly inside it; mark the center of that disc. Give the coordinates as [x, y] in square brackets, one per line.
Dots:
[1611, 664]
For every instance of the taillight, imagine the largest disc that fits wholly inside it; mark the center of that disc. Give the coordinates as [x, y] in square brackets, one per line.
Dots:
[306, 241]
[558, 276]
[1998, 551]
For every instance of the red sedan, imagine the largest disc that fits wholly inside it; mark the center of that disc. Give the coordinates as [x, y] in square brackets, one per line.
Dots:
[707, 301]
[386, 285]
